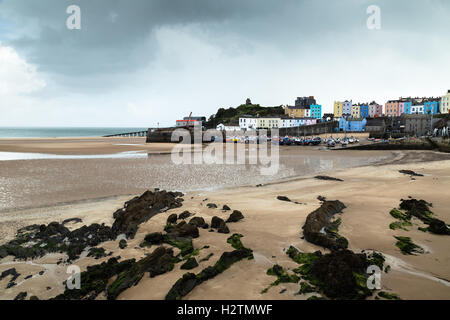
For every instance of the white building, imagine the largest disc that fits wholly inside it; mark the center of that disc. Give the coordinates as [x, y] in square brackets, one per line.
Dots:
[287, 123]
[445, 103]
[248, 123]
[417, 109]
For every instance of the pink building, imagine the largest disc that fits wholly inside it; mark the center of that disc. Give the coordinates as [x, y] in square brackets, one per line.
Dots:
[401, 108]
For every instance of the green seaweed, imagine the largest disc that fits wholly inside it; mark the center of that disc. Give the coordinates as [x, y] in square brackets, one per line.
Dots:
[388, 296]
[235, 241]
[408, 247]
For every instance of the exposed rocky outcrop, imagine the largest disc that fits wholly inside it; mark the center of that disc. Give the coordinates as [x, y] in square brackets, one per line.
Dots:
[319, 229]
[142, 208]
[189, 280]
[35, 241]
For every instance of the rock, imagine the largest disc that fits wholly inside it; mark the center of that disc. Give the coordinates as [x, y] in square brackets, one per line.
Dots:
[321, 199]
[191, 263]
[74, 220]
[158, 262]
[21, 296]
[411, 173]
[184, 229]
[199, 222]
[96, 279]
[172, 218]
[212, 205]
[185, 215]
[123, 244]
[283, 198]
[41, 272]
[153, 238]
[438, 227]
[97, 253]
[216, 222]
[340, 274]
[34, 298]
[235, 216]
[141, 209]
[318, 221]
[189, 280]
[28, 277]
[327, 178]
[10, 272]
[226, 208]
[182, 287]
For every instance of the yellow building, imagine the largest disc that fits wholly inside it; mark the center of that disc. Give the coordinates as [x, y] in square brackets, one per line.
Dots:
[268, 123]
[338, 107]
[445, 103]
[356, 111]
[296, 112]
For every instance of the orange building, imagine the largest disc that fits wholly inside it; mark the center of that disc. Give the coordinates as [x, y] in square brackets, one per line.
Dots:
[391, 108]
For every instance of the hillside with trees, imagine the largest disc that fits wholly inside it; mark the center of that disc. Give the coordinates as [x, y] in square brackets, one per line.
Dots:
[231, 115]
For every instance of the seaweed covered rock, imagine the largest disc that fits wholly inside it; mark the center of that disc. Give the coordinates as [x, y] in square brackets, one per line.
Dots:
[340, 275]
[319, 221]
[141, 209]
[154, 238]
[94, 280]
[35, 241]
[189, 280]
[158, 262]
[190, 263]
[182, 287]
[235, 216]
[199, 222]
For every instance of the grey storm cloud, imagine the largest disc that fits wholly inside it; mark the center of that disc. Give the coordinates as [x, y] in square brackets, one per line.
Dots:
[118, 35]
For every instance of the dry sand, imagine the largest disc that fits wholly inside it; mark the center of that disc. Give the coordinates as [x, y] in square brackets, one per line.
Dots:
[270, 227]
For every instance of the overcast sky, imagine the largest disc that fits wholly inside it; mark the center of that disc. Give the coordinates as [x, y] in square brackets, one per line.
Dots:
[140, 62]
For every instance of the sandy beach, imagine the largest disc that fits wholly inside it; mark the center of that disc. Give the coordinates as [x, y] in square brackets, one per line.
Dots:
[42, 191]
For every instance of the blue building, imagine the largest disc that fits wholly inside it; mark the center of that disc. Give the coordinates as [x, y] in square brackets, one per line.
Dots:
[364, 111]
[352, 125]
[407, 109]
[431, 107]
[316, 111]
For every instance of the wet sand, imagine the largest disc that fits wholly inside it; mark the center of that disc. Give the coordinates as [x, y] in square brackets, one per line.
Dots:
[269, 228]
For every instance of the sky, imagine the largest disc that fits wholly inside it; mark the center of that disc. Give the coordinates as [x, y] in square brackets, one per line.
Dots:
[144, 63]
